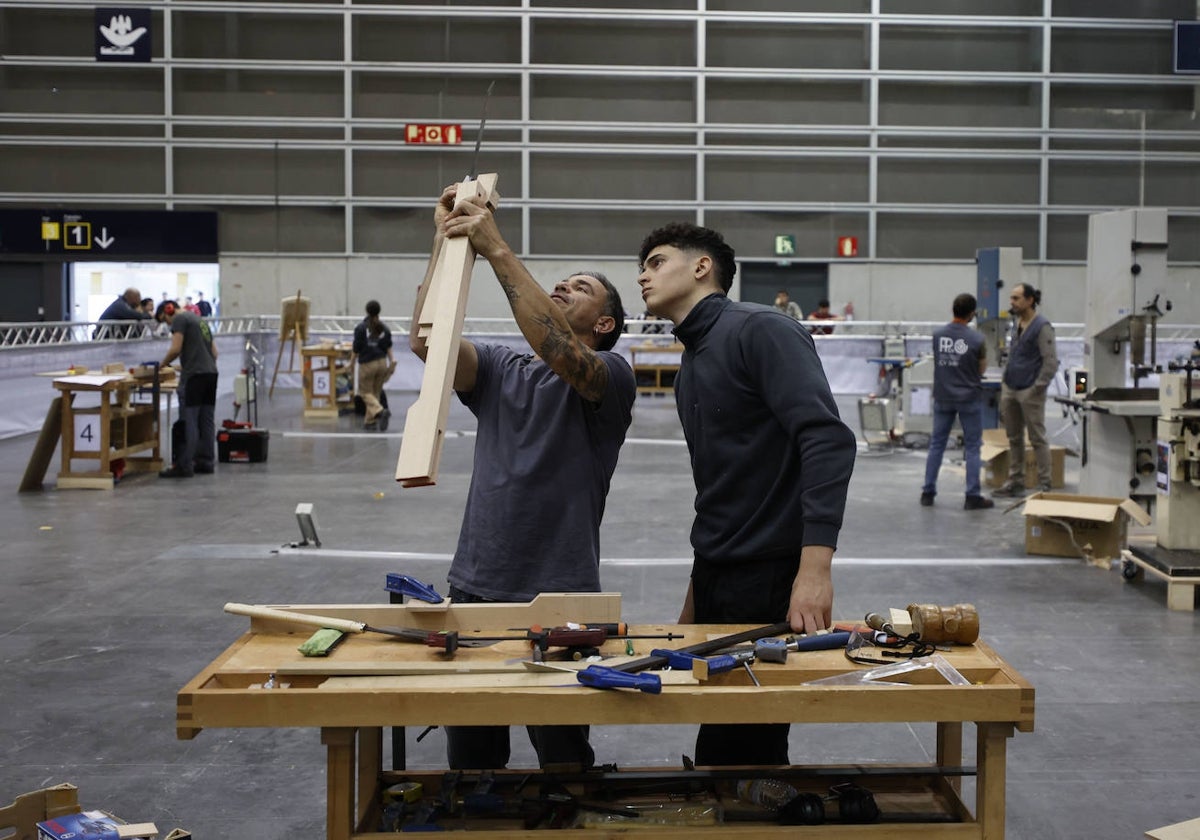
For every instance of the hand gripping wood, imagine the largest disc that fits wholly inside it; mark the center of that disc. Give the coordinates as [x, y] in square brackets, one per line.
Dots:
[439, 326]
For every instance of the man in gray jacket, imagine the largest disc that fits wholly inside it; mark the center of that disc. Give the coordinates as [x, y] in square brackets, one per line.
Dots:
[1032, 363]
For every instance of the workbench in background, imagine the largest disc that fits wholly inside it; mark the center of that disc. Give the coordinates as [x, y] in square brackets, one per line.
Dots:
[655, 366]
[327, 379]
[106, 418]
[371, 682]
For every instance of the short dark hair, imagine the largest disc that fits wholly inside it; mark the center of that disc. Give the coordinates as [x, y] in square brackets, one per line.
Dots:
[823, 303]
[964, 305]
[373, 308]
[689, 237]
[612, 308]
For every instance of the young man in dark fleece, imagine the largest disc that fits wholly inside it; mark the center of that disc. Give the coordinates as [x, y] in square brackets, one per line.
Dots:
[771, 460]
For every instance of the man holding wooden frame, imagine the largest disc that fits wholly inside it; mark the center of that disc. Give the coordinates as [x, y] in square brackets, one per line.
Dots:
[550, 427]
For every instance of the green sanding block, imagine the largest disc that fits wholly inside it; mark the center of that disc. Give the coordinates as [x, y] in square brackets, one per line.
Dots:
[321, 642]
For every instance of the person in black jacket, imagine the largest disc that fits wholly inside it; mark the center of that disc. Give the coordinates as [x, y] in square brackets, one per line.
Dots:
[771, 460]
[373, 354]
[128, 307]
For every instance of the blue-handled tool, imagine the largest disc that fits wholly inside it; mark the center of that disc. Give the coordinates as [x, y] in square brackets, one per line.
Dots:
[681, 661]
[598, 676]
[412, 588]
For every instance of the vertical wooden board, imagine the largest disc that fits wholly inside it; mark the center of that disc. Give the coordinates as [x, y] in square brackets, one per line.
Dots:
[450, 283]
[43, 450]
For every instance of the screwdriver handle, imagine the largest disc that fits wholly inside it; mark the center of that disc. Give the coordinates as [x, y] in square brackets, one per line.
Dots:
[598, 676]
[821, 641]
[560, 637]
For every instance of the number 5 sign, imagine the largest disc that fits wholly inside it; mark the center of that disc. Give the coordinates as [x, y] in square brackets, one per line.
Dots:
[321, 383]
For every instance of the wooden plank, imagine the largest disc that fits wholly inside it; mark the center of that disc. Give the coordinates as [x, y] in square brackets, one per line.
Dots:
[370, 765]
[450, 281]
[1189, 830]
[949, 750]
[43, 449]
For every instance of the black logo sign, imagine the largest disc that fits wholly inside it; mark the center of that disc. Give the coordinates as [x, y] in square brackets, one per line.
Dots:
[123, 35]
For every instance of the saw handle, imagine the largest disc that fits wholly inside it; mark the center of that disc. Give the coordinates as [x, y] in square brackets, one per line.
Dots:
[344, 624]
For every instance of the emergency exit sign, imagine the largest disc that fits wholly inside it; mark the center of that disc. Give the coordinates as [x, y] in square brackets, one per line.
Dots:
[785, 245]
[437, 134]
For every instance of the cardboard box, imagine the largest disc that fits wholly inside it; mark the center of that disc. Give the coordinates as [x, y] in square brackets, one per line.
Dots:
[994, 455]
[1068, 525]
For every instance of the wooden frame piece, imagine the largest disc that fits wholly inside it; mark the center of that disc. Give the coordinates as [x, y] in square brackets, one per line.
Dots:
[439, 327]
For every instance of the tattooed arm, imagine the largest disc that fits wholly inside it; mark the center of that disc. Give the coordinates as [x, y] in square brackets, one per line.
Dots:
[540, 319]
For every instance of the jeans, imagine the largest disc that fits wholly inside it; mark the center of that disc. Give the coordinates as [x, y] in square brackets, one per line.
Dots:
[197, 407]
[971, 417]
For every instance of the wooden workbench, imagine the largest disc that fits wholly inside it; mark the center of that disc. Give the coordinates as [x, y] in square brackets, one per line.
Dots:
[362, 688]
[323, 365]
[116, 427]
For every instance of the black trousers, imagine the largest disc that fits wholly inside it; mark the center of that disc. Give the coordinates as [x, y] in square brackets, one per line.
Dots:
[757, 592]
[489, 748]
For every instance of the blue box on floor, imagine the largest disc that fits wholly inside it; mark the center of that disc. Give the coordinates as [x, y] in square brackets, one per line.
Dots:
[242, 446]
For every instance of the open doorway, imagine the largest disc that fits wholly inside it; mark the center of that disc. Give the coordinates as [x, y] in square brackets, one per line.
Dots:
[806, 283]
[94, 285]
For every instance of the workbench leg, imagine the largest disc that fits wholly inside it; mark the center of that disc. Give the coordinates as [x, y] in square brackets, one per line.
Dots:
[339, 781]
[949, 751]
[1181, 596]
[370, 765]
[990, 756]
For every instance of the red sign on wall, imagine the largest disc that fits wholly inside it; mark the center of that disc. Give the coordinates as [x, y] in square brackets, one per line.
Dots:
[847, 246]
[420, 133]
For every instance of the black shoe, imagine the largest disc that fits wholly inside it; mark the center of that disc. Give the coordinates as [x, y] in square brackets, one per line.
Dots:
[370, 426]
[175, 472]
[204, 469]
[927, 499]
[383, 419]
[1045, 488]
[978, 503]
[1009, 491]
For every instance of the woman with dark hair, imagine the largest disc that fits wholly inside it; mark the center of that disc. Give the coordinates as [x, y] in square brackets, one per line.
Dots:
[373, 354]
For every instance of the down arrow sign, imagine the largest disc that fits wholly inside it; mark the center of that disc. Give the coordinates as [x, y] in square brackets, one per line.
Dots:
[104, 240]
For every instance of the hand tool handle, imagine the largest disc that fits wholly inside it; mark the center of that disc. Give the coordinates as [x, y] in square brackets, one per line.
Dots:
[822, 641]
[711, 646]
[598, 676]
[343, 624]
[560, 637]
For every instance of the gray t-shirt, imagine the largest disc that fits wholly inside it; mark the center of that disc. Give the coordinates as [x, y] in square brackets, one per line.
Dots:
[195, 357]
[544, 457]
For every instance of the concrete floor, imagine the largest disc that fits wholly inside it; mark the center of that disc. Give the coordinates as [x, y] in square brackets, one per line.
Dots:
[110, 602]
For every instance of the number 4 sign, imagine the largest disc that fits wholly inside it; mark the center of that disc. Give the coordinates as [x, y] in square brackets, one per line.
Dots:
[87, 439]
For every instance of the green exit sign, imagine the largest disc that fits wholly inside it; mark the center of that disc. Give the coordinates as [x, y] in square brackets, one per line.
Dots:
[785, 245]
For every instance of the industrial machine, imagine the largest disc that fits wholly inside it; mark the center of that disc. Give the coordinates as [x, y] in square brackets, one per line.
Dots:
[995, 268]
[1126, 281]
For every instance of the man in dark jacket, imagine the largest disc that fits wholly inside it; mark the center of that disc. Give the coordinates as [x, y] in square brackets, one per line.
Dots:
[1032, 363]
[959, 360]
[128, 307]
[771, 460]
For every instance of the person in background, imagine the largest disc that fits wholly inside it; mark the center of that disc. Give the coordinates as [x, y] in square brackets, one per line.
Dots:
[822, 313]
[192, 343]
[771, 460]
[551, 424]
[787, 306]
[128, 307]
[148, 306]
[203, 307]
[959, 360]
[373, 355]
[1032, 363]
[190, 306]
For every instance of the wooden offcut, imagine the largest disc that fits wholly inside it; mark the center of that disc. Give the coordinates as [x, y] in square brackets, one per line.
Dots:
[43, 450]
[439, 325]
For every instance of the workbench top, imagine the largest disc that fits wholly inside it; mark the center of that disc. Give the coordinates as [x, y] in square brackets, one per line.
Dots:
[373, 680]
